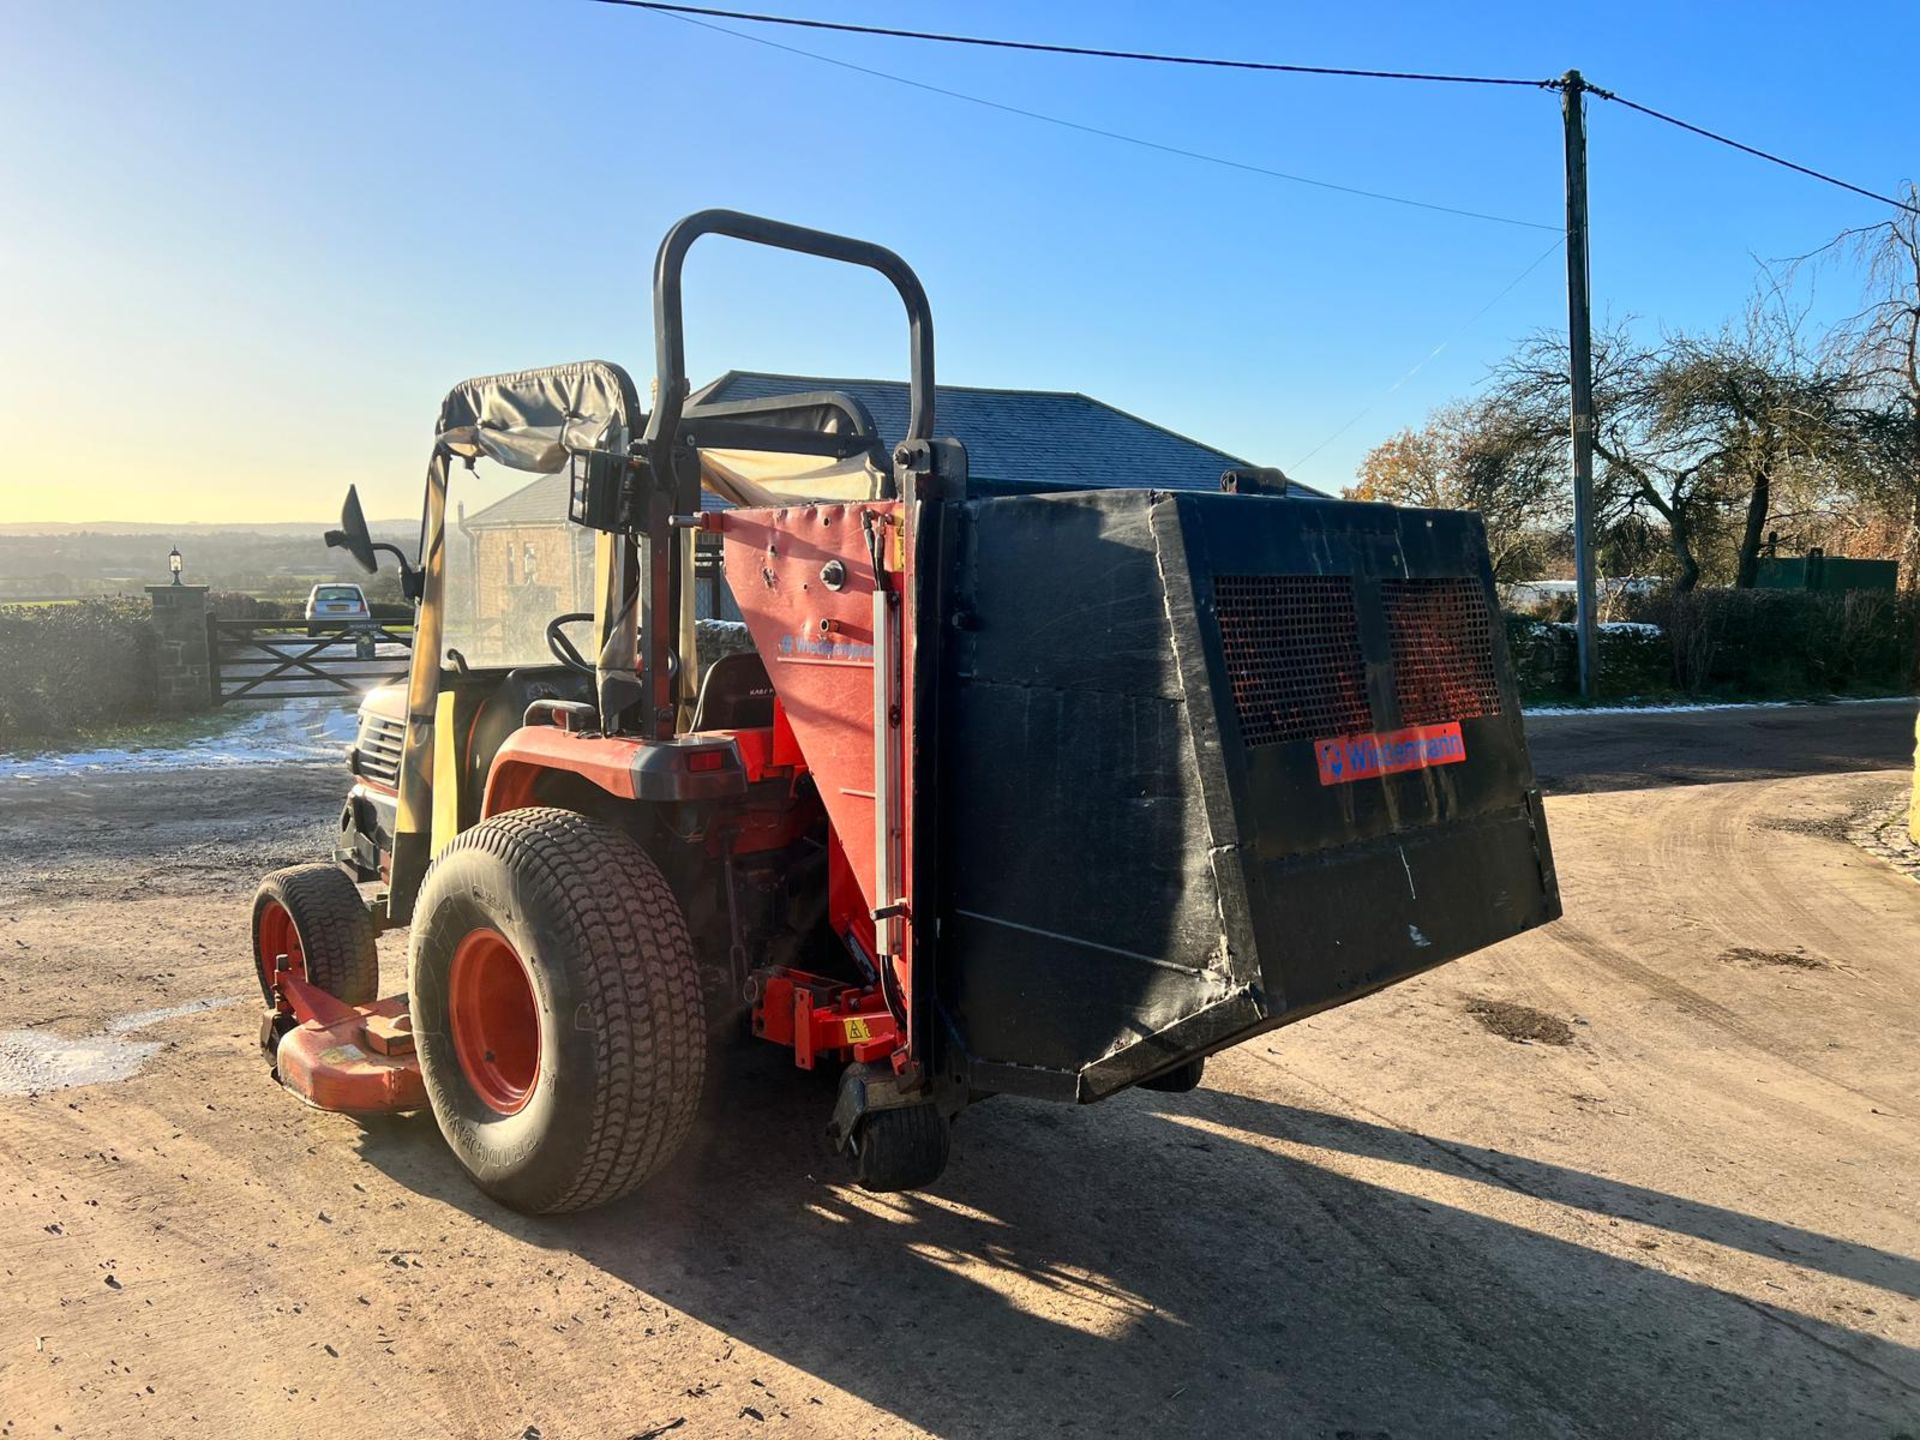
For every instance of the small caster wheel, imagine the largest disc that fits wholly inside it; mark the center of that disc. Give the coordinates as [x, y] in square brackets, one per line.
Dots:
[273, 1029]
[899, 1149]
[1178, 1080]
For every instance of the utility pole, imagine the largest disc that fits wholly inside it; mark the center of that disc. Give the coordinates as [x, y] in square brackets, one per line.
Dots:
[1580, 375]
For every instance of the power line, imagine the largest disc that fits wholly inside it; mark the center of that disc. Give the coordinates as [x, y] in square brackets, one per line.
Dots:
[1092, 52]
[1751, 150]
[1421, 363]
[662, 7]
[678, 12]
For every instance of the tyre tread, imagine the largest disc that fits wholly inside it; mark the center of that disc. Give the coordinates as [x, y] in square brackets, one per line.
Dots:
[336, 933]
[638, 971]
[903, 1149]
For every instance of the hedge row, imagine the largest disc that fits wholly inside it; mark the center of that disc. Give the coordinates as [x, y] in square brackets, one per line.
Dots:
[93, 661]
[238, 605]
[1793, 643]
[1735, 645]
[73, 665]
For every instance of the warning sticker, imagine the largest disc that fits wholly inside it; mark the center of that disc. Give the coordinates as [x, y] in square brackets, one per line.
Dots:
[858, 1029]
[1360, 757]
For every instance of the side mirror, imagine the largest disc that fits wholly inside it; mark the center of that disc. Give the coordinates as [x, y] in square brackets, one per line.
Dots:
[352, 535]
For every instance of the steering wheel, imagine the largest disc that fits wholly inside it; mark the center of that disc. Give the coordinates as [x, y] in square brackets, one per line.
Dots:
[563, 649]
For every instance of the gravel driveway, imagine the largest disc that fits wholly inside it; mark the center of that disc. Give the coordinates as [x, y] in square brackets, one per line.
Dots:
[1652, 1171]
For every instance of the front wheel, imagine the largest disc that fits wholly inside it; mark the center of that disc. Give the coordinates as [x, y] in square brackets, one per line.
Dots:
[556, 1008]
[313, 915]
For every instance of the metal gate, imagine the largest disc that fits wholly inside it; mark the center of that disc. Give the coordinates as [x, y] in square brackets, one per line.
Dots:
[301, 660]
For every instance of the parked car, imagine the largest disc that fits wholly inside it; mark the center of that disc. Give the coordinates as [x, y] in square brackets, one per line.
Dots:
[332, 608]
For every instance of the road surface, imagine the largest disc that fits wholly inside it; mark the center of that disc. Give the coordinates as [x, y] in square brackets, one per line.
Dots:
[1699, 1215]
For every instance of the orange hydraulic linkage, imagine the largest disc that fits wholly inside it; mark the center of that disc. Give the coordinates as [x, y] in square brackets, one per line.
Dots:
[822, 1017]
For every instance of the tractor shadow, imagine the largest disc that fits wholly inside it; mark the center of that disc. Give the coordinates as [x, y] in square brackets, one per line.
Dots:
[1149, 1267]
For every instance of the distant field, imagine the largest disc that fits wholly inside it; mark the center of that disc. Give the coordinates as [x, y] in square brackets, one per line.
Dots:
[268, 562]
[283, 597]
[195, 528]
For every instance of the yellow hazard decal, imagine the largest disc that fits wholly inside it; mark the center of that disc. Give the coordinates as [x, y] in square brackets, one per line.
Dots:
[858, 1029]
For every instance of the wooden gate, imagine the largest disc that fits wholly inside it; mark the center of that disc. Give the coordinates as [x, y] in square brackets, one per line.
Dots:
[298, 660]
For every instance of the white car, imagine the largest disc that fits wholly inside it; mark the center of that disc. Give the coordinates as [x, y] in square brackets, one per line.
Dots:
[336, 607]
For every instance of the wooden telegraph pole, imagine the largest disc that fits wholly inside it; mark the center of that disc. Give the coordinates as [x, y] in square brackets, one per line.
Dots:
[1580, 374]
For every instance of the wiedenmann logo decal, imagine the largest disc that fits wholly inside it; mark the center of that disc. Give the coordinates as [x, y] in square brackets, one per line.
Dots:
[815, 647]
[1360, 757]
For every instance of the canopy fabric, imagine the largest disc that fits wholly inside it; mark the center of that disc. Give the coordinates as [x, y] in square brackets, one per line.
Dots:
[772, 478]
[535, 420]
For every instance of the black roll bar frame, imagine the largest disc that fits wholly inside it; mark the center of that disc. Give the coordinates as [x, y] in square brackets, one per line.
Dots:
[669, 330]
[674, 473]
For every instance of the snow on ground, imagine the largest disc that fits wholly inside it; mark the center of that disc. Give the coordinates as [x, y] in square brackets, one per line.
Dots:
[292, 732]
[1607, 627]
[1686, 707]
[305, 732]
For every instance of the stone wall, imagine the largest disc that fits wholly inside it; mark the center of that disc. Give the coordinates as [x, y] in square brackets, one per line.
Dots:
[182, 664]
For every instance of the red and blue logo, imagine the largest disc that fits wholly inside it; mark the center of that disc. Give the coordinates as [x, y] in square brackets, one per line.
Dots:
[1361, 757]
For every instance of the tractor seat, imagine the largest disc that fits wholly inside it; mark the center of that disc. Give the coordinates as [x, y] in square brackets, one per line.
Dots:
[734, 695]
[504, 711]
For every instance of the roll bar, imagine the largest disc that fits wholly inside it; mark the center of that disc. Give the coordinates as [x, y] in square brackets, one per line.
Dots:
[670, 359]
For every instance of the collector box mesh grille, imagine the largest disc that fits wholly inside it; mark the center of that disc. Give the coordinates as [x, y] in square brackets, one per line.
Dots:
[1442, 641]
[1292, 650]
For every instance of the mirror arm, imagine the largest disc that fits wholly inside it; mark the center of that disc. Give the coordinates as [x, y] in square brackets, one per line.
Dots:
[412, 583]
[410, 578]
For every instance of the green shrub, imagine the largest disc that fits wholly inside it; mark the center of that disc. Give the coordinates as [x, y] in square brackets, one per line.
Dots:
[1636, 661]
[74, 665]
[1734, 645]
[1793, 643]
[238, 605]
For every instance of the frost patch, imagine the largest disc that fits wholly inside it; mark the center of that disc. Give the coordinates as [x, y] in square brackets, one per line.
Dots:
[32, 1061]
[284, 735]
[1690, 708]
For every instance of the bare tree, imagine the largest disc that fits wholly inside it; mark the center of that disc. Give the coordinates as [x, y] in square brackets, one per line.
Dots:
[1650, 457]
[1761, 405]
[1698, 430]
[1474, 455]
[1886, 345]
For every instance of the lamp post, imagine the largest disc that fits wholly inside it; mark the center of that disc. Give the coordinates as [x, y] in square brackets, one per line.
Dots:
[174, 563]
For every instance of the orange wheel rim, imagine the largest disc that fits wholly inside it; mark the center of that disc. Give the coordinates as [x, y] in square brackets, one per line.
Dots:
[494, 1021]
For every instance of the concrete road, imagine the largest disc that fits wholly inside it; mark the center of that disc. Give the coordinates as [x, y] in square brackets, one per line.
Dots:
[1574, 753]
[1689, 1205]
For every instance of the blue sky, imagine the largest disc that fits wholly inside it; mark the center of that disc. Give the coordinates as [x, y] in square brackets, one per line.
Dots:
[244, 248]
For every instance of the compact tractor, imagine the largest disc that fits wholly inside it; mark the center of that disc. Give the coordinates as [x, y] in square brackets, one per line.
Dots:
[1044, 791]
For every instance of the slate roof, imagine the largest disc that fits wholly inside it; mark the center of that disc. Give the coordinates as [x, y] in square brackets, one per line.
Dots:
[539, 502]
[1039, 436]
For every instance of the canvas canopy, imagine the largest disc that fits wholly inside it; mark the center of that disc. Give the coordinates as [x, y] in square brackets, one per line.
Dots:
[535, 420]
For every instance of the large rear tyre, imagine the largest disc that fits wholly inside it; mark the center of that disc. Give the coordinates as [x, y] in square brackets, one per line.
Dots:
[556, 1008]
[313, 914]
